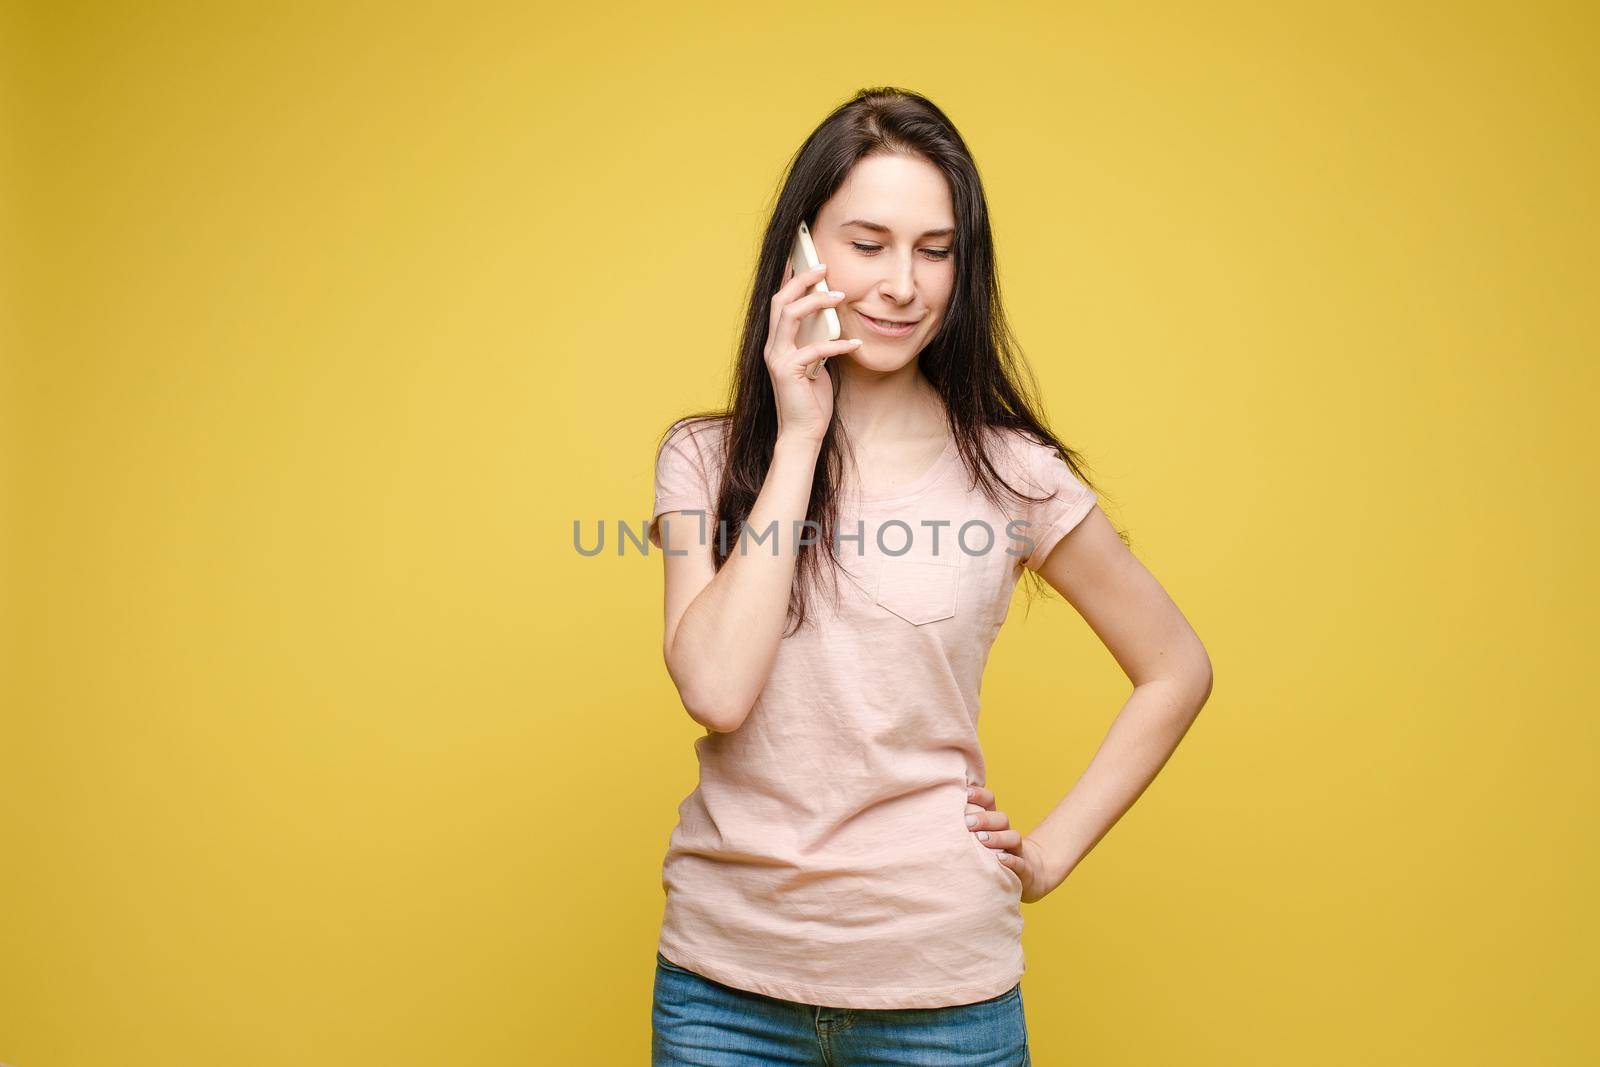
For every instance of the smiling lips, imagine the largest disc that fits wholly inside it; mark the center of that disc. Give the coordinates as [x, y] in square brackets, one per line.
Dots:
[888, 327]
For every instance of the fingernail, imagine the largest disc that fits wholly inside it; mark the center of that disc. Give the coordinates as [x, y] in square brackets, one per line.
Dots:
[983, 835]
[835, 292]
[970, 791]
[856, 341]
[972, 820]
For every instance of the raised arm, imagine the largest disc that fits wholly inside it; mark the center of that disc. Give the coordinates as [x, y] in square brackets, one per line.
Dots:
[723, 626]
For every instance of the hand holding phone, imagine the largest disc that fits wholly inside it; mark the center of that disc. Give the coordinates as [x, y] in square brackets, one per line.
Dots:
[805, 401]
[824, 324]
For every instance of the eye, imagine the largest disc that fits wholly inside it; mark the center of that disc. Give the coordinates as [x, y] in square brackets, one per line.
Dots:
[867, 249]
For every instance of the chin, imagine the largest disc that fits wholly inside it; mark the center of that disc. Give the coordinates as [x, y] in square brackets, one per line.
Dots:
[879, 361]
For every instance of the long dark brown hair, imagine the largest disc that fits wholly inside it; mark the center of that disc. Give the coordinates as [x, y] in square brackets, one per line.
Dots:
[973, 361]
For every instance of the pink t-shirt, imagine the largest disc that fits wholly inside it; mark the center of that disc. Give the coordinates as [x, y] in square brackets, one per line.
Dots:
[824, 856]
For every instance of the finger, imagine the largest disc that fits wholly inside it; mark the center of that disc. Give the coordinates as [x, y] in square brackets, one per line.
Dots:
[986, 819]
[789, 289]
[816, 353]
[796, 284]
[788, 319]
[999, 840]
[814, 364]
[989, 818]
[978, 794]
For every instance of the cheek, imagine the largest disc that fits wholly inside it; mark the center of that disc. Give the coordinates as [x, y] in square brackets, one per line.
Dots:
[849, 281]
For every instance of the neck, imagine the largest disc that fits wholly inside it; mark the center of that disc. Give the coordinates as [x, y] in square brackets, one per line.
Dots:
[879, 408]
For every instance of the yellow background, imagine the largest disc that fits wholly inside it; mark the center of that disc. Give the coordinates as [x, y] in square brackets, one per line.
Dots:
[323, 323]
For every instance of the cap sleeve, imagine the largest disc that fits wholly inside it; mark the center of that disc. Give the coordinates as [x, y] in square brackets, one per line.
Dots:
[681, 481]
[1051, 520]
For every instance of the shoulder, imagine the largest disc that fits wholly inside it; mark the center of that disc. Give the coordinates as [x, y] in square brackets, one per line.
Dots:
[699, 436]
[1016, 453]
[695, 442]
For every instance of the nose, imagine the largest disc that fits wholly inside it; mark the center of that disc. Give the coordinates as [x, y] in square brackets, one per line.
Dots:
[899, 283]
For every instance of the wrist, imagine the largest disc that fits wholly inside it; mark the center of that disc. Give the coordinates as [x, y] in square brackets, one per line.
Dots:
[1053, 867]
[799, 444]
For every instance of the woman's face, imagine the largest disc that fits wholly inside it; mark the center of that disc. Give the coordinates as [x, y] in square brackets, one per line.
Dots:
[888, 239]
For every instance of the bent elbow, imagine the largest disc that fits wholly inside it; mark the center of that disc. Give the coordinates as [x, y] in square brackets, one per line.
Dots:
[720, 716]
[717, 720]
[1202, 681]
[715, 724]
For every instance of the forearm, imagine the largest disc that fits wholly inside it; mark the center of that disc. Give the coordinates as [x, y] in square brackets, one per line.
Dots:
[1138, 744]
[727, 640]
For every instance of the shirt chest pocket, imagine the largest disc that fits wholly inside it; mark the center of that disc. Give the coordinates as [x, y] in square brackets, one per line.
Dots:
[919, 590]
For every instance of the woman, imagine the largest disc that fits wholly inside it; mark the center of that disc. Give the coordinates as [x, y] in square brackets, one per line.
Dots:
[841, 886]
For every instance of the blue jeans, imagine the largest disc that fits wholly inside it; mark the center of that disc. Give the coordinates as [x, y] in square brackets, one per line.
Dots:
[697, 1022]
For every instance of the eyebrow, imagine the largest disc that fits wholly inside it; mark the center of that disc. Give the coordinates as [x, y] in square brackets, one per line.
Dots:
[879, 227]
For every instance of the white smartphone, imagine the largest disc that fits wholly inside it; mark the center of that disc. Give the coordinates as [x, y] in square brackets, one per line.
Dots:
[822, 325]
